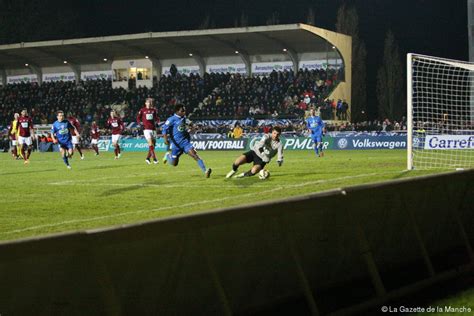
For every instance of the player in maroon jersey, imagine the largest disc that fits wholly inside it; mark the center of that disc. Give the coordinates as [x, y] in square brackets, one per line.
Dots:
[76, 137]
[148, 117]
[12, 132]
[95, 134]
[116, 125]
[26, 135]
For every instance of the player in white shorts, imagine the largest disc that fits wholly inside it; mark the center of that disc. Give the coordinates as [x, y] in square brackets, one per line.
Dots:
[115, 123]
[148, 118]
[76, 136]
[26, 135]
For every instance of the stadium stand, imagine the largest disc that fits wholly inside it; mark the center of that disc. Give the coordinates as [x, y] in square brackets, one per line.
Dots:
[221, 73]
[223, 96]
[213, 97]
[84, 100]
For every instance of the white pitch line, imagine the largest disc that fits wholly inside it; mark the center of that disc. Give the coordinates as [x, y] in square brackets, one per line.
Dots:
[156, 173]
[200, 185]
[191, 203]
[131, 213]
[187, 185]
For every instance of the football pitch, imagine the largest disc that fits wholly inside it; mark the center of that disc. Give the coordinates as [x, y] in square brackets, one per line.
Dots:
[44, 197]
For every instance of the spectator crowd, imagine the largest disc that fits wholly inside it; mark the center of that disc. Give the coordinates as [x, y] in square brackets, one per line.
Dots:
[213, 96]
[282, 94]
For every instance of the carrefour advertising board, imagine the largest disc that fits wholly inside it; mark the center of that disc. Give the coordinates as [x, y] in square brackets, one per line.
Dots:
[449, 142]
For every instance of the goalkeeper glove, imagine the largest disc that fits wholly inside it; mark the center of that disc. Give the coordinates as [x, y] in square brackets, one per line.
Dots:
[280, 162]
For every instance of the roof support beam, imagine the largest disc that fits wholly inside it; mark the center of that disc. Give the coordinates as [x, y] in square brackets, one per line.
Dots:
[99, 53]
[53, 55]
[34, 68]
[77, 71]
[294, 58]
[184, 50]
[284, 48]
[37, 71]
[22, 61]
[195, 54]
[246, 59]
[200, 61]
[74, 66]
[102, 56]
[236, 49]
[156, 63]
[3, 76]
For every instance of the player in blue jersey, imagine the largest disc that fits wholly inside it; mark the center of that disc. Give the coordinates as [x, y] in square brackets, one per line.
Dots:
[61, 134]
[316, 126]
[175, 134]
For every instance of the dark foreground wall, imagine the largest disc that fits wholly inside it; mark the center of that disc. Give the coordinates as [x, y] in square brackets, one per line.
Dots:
[335, 250]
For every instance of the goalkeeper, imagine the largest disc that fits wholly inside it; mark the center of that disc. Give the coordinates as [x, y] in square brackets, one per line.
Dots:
[260, 154]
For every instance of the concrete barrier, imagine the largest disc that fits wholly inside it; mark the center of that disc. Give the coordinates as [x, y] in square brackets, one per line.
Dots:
[341, 250]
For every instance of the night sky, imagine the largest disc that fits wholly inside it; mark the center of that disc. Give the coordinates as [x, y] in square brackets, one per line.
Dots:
[433, 27]
[437, 27]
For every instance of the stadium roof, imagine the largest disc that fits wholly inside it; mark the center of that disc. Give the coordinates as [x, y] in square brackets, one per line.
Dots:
[257, 40]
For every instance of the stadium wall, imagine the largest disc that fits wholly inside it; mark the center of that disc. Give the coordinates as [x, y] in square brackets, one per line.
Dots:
[166, 63]
[224, 64]
[269, 58]
[235, 59]
[59, 69]
[341, 250]
[318, 56]
[105, 66]
[18, 72]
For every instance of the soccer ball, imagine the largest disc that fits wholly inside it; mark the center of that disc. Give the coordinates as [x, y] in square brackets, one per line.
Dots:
[263, 174]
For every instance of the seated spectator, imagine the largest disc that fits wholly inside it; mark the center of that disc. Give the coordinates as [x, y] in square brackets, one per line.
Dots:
[237, 132]
[49, 139]
[307, 99]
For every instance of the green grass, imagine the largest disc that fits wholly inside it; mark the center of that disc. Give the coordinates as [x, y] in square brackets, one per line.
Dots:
[461, 303]
[44, 197]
